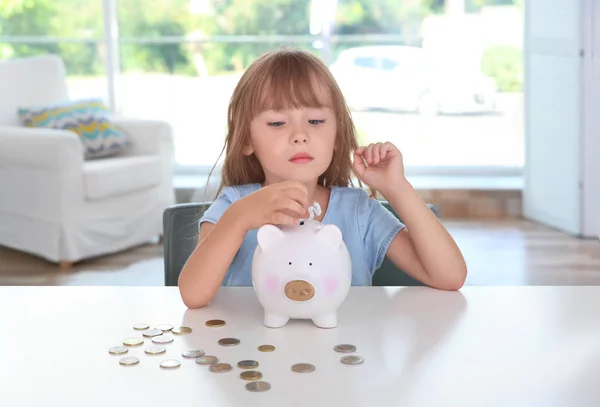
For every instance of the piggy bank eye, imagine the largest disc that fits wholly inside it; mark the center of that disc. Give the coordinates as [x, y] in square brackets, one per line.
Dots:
[310, 264]
[290, 263]
[301, 222]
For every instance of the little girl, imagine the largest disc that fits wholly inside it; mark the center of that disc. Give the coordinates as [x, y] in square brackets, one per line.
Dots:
[291, 143]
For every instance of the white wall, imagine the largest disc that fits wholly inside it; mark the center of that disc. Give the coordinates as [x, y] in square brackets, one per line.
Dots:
[591, 137]
[553, 126]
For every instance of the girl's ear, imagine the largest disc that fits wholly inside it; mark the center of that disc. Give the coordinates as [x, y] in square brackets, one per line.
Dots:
[248, 149]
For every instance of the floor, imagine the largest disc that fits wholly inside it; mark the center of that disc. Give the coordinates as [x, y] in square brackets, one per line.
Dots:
[514, 252]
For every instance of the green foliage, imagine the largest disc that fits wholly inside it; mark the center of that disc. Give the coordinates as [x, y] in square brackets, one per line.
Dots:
[141, 21]
[505, 65]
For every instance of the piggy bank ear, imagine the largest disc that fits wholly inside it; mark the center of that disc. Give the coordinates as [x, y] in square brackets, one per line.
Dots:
[268, 235]
[331, 234]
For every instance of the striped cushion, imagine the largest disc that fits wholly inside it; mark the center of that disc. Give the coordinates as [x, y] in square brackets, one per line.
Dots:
[88, 118]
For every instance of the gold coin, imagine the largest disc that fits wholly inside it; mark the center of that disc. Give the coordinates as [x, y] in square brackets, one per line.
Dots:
[352, 360]
[133, 341]
[258, 386]
[251, 375]
[118, 350]
[164, 327]
[303, 368]
[215, 323]
[266, 348]
[162, 339]
[182, 330]
[155, 350]
[248, 364]
[193, 353]
[129, 361]
[344, 348]
[151, 333]
[207, 360]
[141, 327]
[229, 341]
[220, 368]
[170, 364]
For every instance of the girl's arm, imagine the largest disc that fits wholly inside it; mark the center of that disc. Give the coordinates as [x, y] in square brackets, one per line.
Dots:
[279, 204]
[205, 269]
[424, 249]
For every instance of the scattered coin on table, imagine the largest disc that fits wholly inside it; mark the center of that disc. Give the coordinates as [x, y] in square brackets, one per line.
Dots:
[118, 350]
[164, 327]
[129, 361]
[266, 348]
[133, 341]
[229, 341]
[251, 375]
[352, 360]
[182, 330]
[345, 348]
[303, 368]
[220, 368]
[207, 360]
[215, 323]
[162, 339]
[258, 386]
[170, 364]
[193, 353]
[141, 327]
[248, 364]
[155, 350]
[152, 332]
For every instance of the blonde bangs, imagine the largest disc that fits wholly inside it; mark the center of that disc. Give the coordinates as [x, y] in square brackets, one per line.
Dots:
[290, 83]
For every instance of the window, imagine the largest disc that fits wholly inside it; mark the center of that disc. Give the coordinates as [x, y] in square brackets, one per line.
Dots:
[444, 84]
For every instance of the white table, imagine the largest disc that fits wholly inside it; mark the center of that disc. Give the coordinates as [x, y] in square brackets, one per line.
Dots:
[483, 346]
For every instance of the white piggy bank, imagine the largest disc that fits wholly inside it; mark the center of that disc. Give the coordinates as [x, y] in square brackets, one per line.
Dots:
[301, 272]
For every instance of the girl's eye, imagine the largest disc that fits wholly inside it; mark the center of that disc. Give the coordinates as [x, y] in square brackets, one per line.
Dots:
[276, 124]
[316, 121]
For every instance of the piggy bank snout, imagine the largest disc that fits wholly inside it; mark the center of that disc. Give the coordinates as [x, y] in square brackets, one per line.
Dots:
[299, 290]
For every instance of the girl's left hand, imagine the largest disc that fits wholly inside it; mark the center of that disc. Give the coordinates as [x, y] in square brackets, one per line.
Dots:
[379, 165]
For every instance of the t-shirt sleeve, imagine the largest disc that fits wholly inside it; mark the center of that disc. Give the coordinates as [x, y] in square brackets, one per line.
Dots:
[219, 206]
[378, 227]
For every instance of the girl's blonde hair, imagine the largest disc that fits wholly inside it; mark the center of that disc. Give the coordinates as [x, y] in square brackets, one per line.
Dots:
[282, 79]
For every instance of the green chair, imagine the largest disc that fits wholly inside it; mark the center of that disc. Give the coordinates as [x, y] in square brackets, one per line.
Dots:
[180, 237]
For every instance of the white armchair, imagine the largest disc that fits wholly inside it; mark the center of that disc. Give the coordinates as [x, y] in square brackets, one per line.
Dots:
[53, 202]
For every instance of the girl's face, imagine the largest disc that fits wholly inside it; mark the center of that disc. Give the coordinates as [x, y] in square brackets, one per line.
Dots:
[294, 144]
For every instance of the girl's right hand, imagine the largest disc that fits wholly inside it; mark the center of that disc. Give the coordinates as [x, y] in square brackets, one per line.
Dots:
[277, 204]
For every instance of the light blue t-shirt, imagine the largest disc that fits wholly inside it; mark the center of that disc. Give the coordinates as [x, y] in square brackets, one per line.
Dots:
[367, 228]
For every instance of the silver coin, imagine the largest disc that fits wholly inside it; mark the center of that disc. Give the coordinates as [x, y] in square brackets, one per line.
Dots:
[303, 368]
[193, 353]
[129, 361]
[248, 364]
[151, 333]
[344, 348]
[170, 364]
[141, 327]
[258, 386]
[352, 360]
[118, 350]
[164, 327]
[207, 360]
[229, 341]
[155, 350]
[162, 339]
[220, 367]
